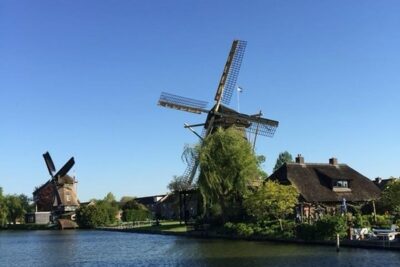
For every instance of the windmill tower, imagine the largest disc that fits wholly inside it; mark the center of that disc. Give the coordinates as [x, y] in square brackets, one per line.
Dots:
[220, 115]
[58, 194]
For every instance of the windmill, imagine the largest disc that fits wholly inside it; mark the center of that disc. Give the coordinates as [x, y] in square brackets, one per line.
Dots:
[58, 194]
[220, 115]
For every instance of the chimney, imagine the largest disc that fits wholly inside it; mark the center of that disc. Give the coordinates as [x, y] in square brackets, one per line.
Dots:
[300, 159]
[333, 161]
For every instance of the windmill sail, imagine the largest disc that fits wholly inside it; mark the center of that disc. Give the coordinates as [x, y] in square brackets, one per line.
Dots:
[230, 74]
[182, 103]
[65, 169]
[49, 163]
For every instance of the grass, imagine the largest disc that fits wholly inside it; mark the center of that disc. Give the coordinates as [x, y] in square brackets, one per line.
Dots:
[167, 226]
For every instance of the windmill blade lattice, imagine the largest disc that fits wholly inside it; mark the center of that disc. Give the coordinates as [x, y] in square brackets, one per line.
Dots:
[191, 169]
[182, 103]
[233, 73]
[262, 129]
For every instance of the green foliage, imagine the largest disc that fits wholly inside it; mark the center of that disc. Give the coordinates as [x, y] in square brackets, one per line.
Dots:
[260, 161]
[133, 204]
[110, 209]
[243, 229]
[239, 229]
[228, 165]
[124, 199]
[132, 215]
[361, 221]
[110, 198]
[103, 212]
[329, 226]
[3, 209]
[306, 231]
[91, 216]
[272, 201]
[284, 157]
[270, 229]
[382, 221]
[179, 183]
[324, 229]
[134, 211]
[391, 196]
[15, 208]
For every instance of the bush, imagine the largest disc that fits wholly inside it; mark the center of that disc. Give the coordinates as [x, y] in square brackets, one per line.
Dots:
[306, 231]
[361, 221]
[244, 230]
[266, 229]
[132, 215]
[329, 226]
[324, 229]
[240, 229]
[382, 221]
[91, 217]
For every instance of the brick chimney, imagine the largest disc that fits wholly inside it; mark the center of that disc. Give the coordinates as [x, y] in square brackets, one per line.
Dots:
[300, 159]
[333, 161]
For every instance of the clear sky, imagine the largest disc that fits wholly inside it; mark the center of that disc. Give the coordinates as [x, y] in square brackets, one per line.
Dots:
[82, 79]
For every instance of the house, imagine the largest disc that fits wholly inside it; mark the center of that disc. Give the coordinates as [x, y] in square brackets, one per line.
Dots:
[325, 187]
[382, 183]
[181, 205]
[151, 203]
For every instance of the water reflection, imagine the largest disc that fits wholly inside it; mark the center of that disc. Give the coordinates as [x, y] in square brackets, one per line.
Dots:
[95, 248]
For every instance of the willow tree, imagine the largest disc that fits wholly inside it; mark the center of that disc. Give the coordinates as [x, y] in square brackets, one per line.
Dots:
[227, 168]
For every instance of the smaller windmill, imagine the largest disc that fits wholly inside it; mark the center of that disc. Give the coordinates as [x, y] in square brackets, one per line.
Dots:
[220, 115]
[57, 195]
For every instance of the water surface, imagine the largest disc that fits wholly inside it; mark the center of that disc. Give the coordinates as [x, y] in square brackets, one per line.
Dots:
[100, 248]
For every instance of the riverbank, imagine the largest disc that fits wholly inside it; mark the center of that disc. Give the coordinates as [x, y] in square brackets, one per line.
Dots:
[170, 230]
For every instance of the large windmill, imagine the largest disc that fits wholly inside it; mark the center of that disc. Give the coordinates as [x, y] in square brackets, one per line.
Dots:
[220, 115]
[58, 194]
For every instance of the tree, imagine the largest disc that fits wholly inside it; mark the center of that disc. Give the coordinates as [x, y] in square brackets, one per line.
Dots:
[272, 200]
[91, 216]
[284, 157]
[391, 196]
[179, 183]
[134, 211]
[3, 209]
[260, 161]
[110, 198]
[227, 167]
[15, 208]
[124, 199]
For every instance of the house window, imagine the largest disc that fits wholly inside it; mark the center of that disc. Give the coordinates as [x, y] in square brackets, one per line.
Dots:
[68, 197]
[341, 184]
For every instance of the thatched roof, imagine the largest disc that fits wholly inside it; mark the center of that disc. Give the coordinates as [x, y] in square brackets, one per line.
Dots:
[315, 182]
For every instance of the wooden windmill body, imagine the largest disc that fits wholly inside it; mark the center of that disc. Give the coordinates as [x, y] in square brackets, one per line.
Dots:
[58, 195]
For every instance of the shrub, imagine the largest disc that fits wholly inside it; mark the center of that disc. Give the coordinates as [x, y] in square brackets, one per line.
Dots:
[329, 226]
[324, 229]
[306, 231]
[244, 230]
[382, 221]
[131, 215]
[360, 221]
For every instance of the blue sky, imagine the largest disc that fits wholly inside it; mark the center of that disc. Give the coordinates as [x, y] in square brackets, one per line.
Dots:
[82, 78]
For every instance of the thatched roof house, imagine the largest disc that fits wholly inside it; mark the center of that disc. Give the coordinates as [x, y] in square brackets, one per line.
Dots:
[331, 182]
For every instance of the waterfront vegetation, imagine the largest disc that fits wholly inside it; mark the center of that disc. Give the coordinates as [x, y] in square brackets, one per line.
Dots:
[235, 200]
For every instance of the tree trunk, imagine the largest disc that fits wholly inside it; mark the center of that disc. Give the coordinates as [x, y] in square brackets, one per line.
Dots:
[280, 223]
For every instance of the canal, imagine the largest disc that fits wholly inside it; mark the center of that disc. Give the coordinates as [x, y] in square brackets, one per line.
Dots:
[98, 248]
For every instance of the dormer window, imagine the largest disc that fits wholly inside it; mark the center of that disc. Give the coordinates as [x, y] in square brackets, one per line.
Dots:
[341, 184]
